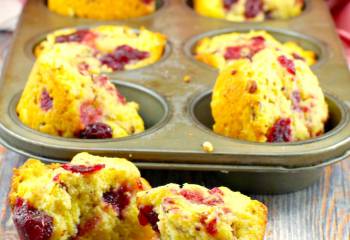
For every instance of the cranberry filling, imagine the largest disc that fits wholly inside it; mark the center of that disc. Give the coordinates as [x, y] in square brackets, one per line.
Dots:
[89, 113]
[83, 35]
[252, 8]
[122, 56]
[228, 4]
[96, 131]
[119, 199]
[281, 131]
[148, 215]
[83, 169]
[287, 64]
[45, 101]
[211, 226]
[31, 223]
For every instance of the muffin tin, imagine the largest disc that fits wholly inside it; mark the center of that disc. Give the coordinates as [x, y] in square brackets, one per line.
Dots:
[177, 114]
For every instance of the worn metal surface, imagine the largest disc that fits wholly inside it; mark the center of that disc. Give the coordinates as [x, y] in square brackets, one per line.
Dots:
[177, 140]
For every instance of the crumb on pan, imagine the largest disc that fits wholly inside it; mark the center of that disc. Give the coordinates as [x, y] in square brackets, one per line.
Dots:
[207, 147]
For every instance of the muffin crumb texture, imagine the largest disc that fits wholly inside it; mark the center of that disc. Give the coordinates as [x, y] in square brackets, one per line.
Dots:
[193, 212]
[89, 198]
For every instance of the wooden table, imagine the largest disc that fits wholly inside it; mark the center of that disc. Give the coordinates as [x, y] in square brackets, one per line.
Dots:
[319, 212]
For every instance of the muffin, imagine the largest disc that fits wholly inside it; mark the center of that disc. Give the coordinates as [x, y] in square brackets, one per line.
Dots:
[269, 98]
[249, 10]
[67, 96]
[103, 9]
[221, 50]
[116, 47]
[194, 212]
[89, 198]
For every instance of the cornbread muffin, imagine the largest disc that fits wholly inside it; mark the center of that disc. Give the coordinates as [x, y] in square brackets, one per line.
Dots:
[66, 96]
[270, 98]
[89, 198]
[194, 212]
[221, 50]
[116, 47]
[249, 10]
[103, 9]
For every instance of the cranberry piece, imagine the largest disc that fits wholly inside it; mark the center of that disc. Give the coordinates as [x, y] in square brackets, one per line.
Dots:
[228, 4]
[257, 44]
[77, 36]
[147, 1]
[121, 56]
[139, 184]
[281, 131]
[83, 169]
[192, 196]
[83, 68]
[89, 113]
[253, 87]
[216, 190]
[211, 226]
[198, 198]
[101, 79]
[119, 199]
[296, 98]
[31, 223]
[86, 227]
[252, 8]
[120, 97]
[233, 53]
[96, 131]
[287, 64]
[46, 102]
[148, 215]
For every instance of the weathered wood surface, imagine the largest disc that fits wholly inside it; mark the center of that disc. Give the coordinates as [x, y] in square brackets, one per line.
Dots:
[320, 212]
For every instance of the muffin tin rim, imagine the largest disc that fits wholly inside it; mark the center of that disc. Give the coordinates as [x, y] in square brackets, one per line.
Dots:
[191, 42]
[166, 105]
[344, 110]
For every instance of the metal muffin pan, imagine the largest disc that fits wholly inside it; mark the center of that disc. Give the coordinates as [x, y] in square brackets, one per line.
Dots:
[176, 113]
